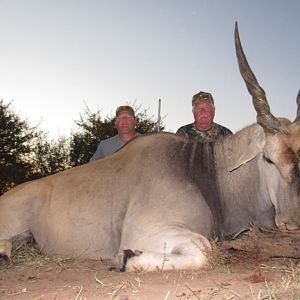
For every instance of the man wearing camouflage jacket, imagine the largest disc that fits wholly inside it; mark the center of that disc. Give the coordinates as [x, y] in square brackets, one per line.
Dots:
[203, 128]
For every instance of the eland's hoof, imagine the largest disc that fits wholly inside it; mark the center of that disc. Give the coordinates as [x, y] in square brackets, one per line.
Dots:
[122, 260]
[3, 259]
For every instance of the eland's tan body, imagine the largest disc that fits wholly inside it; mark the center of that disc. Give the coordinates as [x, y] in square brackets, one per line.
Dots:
[164, 195]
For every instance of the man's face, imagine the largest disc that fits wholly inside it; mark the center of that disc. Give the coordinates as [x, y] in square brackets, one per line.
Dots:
[204, 113]
[125, 122]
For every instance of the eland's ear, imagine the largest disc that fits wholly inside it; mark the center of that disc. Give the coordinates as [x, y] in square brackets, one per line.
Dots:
[255, 147]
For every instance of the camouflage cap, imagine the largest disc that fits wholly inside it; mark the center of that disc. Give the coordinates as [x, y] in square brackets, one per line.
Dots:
[127, 108]
[203, 96]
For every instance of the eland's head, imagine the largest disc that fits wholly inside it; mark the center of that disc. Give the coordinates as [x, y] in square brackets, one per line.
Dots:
[279, 153]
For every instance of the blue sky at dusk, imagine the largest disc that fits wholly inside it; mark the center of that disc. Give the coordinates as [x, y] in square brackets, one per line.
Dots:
[58, 56]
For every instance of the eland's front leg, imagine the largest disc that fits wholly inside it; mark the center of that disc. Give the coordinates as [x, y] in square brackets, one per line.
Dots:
[181, 251]
[5, 250]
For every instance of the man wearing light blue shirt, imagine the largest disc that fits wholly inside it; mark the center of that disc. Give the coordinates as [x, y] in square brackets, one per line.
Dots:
[125, 124]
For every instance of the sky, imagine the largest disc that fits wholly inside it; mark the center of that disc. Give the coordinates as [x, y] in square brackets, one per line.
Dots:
[59, 56]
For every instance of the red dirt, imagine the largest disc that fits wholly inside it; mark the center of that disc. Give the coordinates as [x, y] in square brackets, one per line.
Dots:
[89, 279]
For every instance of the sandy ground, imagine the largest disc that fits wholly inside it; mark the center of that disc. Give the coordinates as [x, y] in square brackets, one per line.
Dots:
[240, 278]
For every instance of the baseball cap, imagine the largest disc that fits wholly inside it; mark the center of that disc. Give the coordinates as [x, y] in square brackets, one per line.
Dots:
[127, 108]
[203, 96]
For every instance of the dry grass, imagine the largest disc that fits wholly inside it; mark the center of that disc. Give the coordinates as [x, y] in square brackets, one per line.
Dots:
[291, 278]
[27, 253]
[218, 257]
[220, 260]
[23, 253]
[287, 288]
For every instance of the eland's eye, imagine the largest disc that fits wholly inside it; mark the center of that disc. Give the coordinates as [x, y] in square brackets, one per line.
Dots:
[268, 160]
